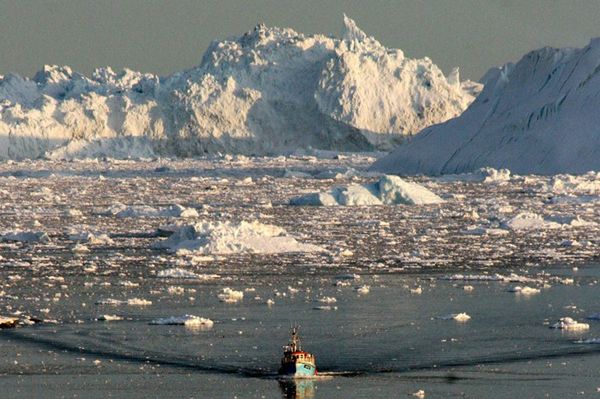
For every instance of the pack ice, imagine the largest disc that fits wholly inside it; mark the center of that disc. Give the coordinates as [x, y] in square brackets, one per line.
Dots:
[536, 117]
[269, 91]
[389, 190]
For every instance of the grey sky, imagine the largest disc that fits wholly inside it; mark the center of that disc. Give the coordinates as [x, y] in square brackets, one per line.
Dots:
[166, 36]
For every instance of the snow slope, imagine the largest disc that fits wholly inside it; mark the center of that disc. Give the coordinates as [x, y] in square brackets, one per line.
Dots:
[271, 90]
[538, 116]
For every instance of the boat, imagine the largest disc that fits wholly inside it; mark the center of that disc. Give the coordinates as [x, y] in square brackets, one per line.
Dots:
[295, 362]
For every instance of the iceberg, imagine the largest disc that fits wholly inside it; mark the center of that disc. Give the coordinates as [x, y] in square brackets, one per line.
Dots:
[538, 116]
[271, 90]
[389, 190]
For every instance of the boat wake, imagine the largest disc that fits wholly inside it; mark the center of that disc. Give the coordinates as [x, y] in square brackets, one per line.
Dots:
[111, 352]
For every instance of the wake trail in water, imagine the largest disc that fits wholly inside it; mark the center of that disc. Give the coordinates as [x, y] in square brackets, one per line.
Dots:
[325, 372]
[141, 357]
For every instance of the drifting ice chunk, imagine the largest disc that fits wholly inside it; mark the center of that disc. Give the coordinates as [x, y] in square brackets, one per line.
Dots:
[460, 317]
[73, 213]
[524, 290]
[482, 175]
[588, 183]
[80, 248]
[229, 238]
[529, 221]
[230, 296]
[315, 199]
[138, 302]
[532, 221]
[567, 323]
[178, 273]
[363, 289]
[130, 302]
[147, 211]
[109, 317]
[389, 190]
[328, 299]
[25, 236]
[91, 238]
[188, 321]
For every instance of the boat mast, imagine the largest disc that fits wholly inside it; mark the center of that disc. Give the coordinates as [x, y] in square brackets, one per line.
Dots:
[295, 344]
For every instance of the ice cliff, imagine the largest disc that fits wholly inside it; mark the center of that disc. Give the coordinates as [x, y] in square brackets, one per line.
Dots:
[269, 91]
[538, 116]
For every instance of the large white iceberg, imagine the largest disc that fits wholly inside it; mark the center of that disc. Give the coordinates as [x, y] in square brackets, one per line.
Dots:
[389, 190]
[539, 116]
[230, 238]
[270, 90]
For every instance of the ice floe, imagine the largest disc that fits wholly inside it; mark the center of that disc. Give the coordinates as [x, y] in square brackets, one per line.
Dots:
[525, 290]
[231, 238]
[229, 295]
[363, 289]
[25, 236]
[482, 175]
[178, 273]
[91, 238]
[130, 302]
[188, 321]
[459, 317]
[139, 211]
[109, 317]
[567, 323]
[531, 221]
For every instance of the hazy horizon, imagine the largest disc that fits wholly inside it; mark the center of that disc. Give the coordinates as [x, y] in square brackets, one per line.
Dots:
[151, 36]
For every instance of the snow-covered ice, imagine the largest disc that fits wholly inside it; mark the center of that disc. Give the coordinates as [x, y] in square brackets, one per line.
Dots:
[526, 290]
[537, 116]
[229, 295]
[188, 321]
[567, 323]
[532, 221]
[231, 238]
[134, 211]
[25, 236]
[178, 273]
[459, 317]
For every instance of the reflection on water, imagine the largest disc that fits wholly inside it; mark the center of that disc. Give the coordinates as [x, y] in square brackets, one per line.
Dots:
[297, 388]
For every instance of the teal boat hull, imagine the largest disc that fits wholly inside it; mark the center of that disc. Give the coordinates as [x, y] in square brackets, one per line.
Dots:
[298, 370]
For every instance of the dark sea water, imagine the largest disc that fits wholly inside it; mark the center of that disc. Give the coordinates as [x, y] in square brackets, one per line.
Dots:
[387, 343]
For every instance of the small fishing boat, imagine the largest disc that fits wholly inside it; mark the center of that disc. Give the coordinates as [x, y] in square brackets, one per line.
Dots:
[295, 362]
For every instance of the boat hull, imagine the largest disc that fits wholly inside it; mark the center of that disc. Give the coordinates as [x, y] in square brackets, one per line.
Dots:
[298, 370]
